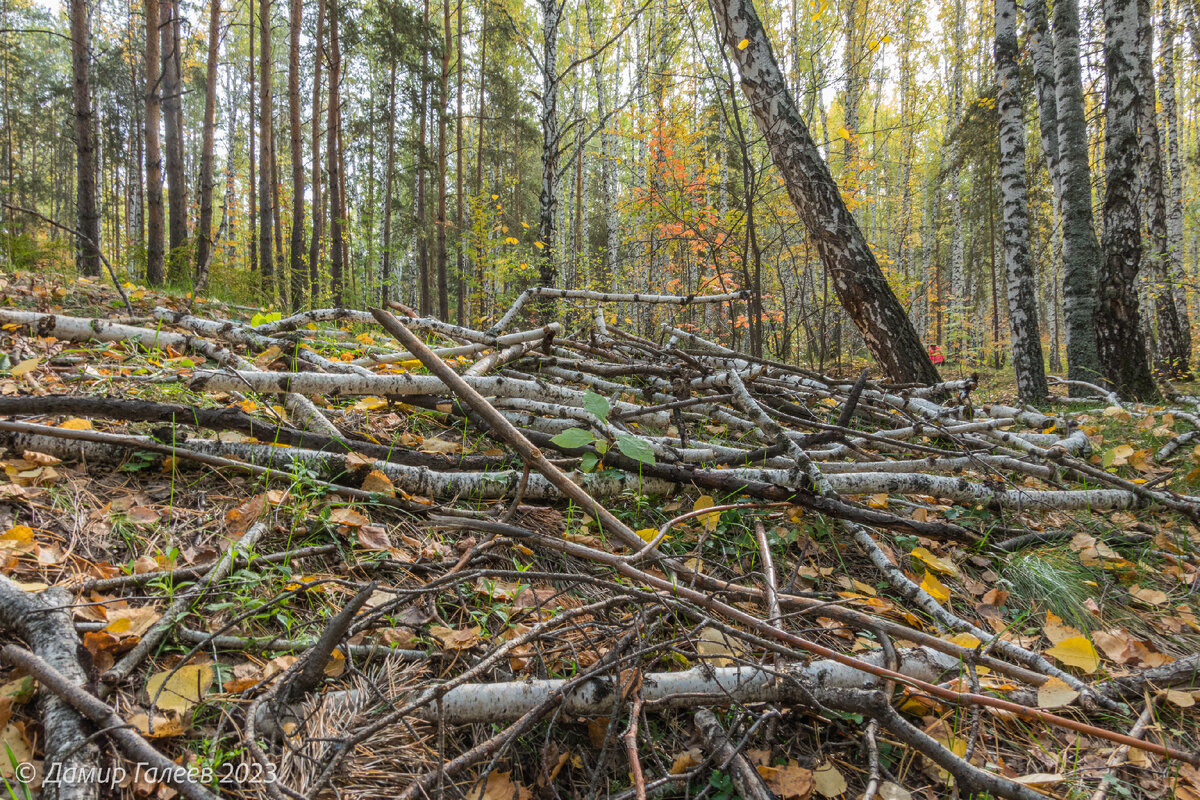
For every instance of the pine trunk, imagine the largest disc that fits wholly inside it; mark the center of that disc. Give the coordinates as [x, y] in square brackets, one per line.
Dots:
[443, 286]
[155, 224]
[332, 159]
[87, 253]
[172, 107]
[266, 217]
[318, 224]
[298, 269]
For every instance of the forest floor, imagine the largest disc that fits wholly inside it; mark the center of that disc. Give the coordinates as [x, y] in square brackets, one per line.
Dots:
[361, 602]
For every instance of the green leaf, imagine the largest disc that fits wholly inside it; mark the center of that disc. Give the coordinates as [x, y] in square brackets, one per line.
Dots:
[635, 448]
[601, 446]
[573, 437]
[597, 405]
[589, 462]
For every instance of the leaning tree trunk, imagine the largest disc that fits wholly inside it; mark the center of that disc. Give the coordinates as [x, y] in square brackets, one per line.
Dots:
[1122, 348]
[1174, 350]
[155, 229]
[87, 258]
[204, 242]
[1022, 300]
[857, 278]
[1081, 254]
[297, 269]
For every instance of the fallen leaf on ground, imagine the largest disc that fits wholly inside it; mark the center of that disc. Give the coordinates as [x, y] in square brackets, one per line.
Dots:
[790, 782]
[181, 690]
[500, 786]
[1076, 651]
[828, 780]
[456, 638]
[1055, 693]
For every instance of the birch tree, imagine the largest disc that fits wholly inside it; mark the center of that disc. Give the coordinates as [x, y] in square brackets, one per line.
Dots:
[1081, 253]
[1018, 268]
[857, 278]
[1121, 344]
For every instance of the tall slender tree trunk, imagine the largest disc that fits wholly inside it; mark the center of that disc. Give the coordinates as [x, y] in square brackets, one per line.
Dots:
[172, 106]
[204, 242]
[252, 227]
[1175, 184]
[459, 162]
[422, 159]
[479, 126]
[1018, 266]
[1122, 346]
[548, 117]
[266, 217]
[957, 300]
[857, 278]
[318, 224]
[385, 272]
[443, 287]
[87, 253]
[1081, 254]
[333, 161]
[154, 176]
[608, 172]
[298, 270]
[1174, 350]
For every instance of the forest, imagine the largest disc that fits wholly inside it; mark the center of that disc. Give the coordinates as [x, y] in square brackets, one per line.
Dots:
[577, 398]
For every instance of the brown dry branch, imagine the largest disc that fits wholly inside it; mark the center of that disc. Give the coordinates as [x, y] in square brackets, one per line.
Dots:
[673, 450]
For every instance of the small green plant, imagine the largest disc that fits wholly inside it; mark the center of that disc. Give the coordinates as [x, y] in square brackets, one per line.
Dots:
[632, 446]
[25, 792]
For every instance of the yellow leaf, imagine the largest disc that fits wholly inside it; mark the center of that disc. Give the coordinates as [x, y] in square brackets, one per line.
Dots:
[935, 563]
[77, 424]
[935, 588]
[369, 404]
[743, 44]
[511, 240]
[707, 520]
[965, 640]
[1055, 693]
[540, 245]
[842, 132]
[829, 781]
[181, 690]
[648, 534]
[878, 500]
[25, 367]
[1076, 651]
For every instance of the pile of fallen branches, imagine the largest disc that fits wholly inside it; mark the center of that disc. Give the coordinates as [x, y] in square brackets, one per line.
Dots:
[588, 452]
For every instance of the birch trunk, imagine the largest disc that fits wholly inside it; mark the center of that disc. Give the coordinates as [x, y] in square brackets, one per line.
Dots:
[1018, 268]
[1082, 256]
[204, 240]
[1174, 193]
[548, 116]
[1173, 351]
[858, 280]
[1120, 340]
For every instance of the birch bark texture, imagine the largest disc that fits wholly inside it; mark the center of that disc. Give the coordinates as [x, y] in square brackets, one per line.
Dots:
[1018, 266]
[1081, 251]
[1119, 337]
[859, 282]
